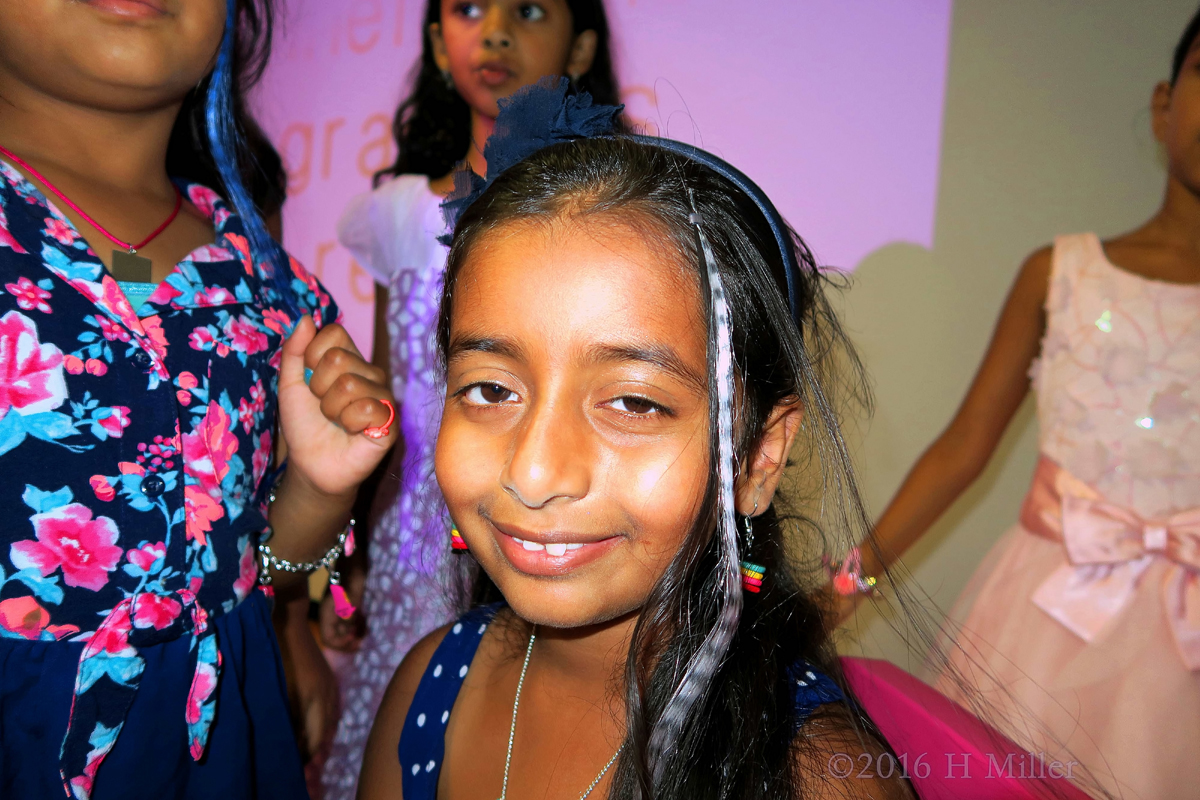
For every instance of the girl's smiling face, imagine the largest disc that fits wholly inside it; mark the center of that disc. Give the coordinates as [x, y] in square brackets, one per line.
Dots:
[573, 452]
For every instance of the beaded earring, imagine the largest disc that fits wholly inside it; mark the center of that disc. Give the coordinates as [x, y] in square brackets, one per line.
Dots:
[456, 539]
[752, 574]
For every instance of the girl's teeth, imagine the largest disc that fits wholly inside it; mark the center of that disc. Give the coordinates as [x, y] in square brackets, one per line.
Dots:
[557, 549]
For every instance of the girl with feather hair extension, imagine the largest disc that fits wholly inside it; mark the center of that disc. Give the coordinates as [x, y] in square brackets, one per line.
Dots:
[137, 656]
[635, 344]
[625, 382]
[474, 54]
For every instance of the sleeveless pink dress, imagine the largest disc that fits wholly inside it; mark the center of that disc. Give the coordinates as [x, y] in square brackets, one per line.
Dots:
[1086, 616]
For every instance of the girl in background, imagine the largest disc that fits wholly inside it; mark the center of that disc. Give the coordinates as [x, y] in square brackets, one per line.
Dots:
[633, 342]
[475, 54]
[137, 660]
[1086, 615]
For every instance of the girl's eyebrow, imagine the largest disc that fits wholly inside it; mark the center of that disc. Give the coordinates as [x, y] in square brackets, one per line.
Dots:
[461, 345]
[659, 356]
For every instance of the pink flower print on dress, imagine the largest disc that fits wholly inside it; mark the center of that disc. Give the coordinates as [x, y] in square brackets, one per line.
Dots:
[164, 295]
[242, 245]
[155, 611]
[113, 634]
[248, 409]
[258, 396]
[155, 342]
[68, 537]
[82, 785]
[209, 254]
[245, 336]
[6, 237]
[211, 296]
[61, 231]
[246, 414]
[112, 331]
[203, 198]
[146, 556]
[116, 422]
[102, 488]
[200, 512]
[203, 684]
[208, 449]
[30, 296]
[95, 366]
[73, 364]
[247, 570]
[24, 617]
[202, 338]
[304, 275]
[186, 381]
[113, 298]
[31, 373]
[278, 321]
[261, 459]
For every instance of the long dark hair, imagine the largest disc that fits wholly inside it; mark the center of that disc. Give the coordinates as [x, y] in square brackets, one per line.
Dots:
[1185, 46]
[217, 143]
[189, 155]
[739, 740]
[432, 127]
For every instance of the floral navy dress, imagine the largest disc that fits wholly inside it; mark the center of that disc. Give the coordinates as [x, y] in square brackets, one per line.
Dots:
[136, 658]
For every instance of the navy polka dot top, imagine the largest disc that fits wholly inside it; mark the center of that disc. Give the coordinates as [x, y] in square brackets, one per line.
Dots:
[423, 738]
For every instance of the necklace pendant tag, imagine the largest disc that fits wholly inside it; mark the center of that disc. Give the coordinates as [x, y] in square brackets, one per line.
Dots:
[128, 266]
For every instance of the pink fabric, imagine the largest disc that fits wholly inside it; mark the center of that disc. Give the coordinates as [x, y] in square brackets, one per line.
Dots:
[1118, 381]
[964, 756]
[1118, 392]
[1109, 549]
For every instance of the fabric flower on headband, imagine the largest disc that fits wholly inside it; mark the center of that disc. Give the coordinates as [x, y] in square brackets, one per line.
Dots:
[534, 117]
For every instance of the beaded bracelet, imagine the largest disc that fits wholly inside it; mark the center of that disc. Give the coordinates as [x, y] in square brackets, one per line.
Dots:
[847, 577]
[344, 546]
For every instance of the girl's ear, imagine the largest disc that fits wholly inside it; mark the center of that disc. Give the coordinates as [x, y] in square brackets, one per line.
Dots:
[583, 53]
[757, 485]
[439, 47]
[1160, 110]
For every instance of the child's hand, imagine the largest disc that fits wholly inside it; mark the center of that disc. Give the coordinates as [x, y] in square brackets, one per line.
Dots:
[322, 422]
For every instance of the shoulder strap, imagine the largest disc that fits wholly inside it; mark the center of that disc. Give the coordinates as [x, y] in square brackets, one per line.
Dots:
[1071, 254]
[812, 689]
[423, 738]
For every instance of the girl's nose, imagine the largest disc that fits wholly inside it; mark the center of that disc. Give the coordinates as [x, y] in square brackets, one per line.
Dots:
[495, 31]
[497, 40]
[548, 462]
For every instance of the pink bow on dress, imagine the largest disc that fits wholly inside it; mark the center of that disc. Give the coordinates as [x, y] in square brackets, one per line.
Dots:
[1109, 548]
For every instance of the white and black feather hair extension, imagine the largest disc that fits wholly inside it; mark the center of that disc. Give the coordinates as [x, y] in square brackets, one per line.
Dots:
[698, 674]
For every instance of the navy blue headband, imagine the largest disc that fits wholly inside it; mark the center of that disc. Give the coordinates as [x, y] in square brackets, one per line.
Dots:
[783, 239]
[546, 113]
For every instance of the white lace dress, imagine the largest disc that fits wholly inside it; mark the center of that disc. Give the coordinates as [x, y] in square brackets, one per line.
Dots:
[1099, 639]
[392, 233]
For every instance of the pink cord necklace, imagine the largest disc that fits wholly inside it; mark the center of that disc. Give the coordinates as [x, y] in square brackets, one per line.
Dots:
[127, 265]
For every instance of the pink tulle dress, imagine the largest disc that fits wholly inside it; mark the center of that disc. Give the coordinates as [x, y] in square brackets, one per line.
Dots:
[1086, 615]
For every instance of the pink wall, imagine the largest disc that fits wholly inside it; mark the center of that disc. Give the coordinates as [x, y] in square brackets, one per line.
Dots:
[833, 106]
